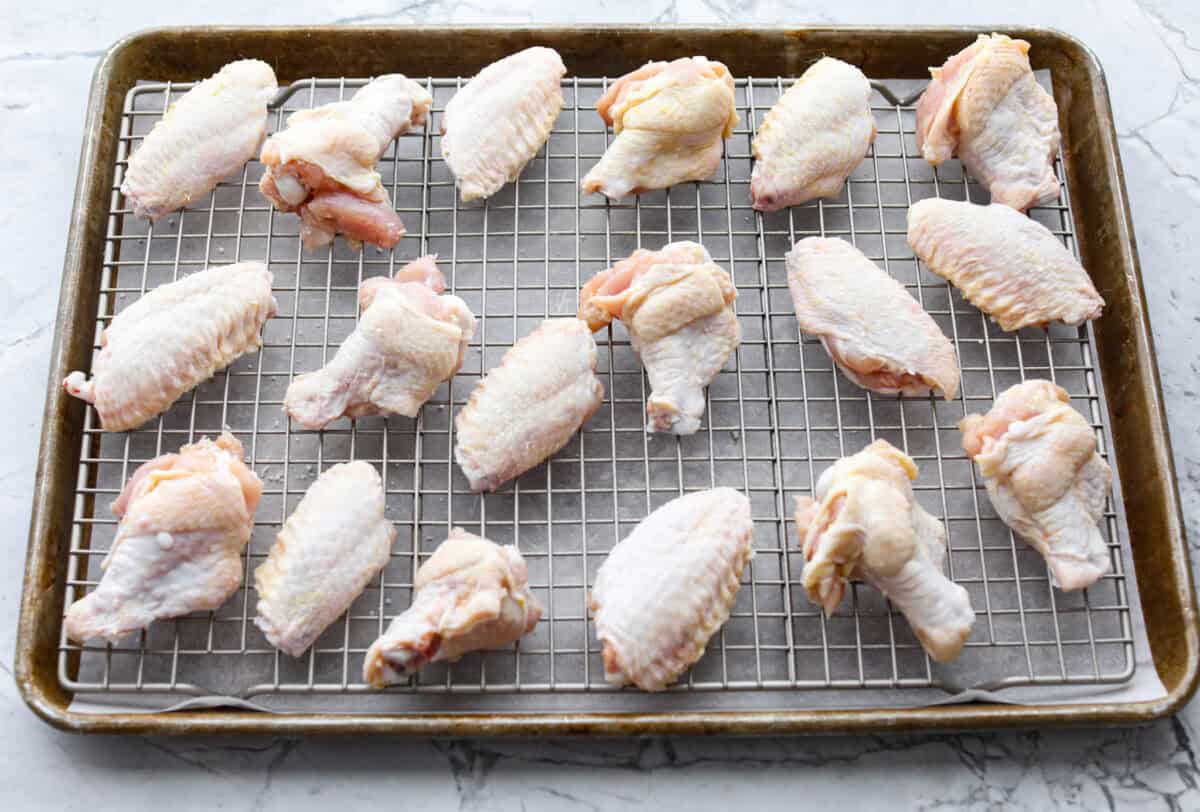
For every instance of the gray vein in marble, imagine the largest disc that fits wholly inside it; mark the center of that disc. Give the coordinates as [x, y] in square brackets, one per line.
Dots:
[563, 795]
[998, 771]
[725, 14]
[50, 56]
[1185, 91]
[285, 748]
[469, 766]
[182, 758]
[669, 14]
[1190, 772]
[1140, 135]
[386, 16]
[33, 335]
[1161, 19]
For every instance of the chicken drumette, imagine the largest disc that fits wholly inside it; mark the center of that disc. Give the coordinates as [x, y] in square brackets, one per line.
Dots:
[407, 342]
[677, 305]
[866, 524]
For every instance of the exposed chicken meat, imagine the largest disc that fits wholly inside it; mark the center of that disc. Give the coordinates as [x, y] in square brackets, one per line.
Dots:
[323, 164]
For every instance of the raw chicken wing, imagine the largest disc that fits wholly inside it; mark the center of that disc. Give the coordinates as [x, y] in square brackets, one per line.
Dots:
[670, 585]
[876, 333]
[678, 307]
[865, 524]
[813, 138]
[172, 339]
[323, 164]
[530, 406]
[986, 106]
[408, 341]
[204, 137]
[471, 594]
[495, 125]
[335, 542]
[184, 520]
[1009, 266]
[671, 120]
[1038, 459]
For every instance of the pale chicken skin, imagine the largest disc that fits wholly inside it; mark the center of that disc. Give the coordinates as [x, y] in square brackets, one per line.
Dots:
[1009, 266]
[1039, 463]
[677, 305]
[875, 331]
[322, 165]
[813, 138]
[470, 595]
[495, 125]
[172, 339]
[206, 136]
[670, 585]
[985, 106]
[671, 120]
[327, 552]
[530, 406]
[407, 342]
[185, 519]
[865, 524]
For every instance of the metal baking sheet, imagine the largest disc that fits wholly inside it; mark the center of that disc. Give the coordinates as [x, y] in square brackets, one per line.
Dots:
[777, 416]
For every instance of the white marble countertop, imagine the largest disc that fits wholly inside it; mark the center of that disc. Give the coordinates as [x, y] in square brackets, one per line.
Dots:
[48, 49]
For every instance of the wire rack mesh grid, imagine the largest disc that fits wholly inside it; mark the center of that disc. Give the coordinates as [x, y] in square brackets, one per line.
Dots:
[777, 416]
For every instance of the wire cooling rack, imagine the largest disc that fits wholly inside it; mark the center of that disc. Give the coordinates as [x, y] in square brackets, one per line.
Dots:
[777, 416]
